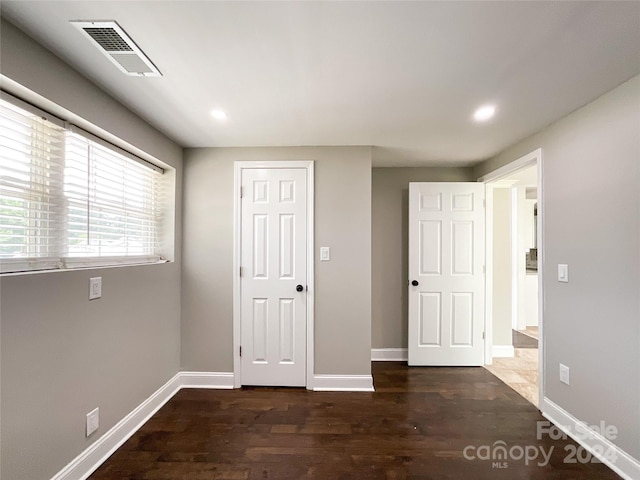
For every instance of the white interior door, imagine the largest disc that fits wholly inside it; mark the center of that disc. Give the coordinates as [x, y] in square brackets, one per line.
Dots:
[446, 274]
[273, 281]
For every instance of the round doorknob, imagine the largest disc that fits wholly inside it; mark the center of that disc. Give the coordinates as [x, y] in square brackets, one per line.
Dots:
[299, 288]
[415, 283]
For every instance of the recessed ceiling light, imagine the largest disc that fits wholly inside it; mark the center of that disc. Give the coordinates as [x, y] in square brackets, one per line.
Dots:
[219, 114]
[484, 113]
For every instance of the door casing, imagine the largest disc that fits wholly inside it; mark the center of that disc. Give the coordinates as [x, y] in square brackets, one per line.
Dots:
[237, 256]
[533, 158]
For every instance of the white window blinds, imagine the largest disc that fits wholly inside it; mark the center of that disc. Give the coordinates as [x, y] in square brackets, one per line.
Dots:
[31, 182]
[69, 201]
[111, 203]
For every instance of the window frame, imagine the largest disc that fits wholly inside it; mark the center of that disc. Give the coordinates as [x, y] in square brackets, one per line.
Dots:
[61, 259]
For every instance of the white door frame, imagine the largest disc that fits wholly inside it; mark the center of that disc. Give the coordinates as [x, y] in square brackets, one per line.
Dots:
[533, 158]
[237, 250]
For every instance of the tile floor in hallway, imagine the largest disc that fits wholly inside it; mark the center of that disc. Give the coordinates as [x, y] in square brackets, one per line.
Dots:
[531, 331]
[519, 372]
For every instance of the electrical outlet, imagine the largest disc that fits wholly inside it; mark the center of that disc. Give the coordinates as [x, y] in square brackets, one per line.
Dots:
[93, 421]
[564, 374]
[325, 254]
[95, 288]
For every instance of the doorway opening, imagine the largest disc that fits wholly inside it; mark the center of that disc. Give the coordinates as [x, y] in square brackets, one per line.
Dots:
[514, 285]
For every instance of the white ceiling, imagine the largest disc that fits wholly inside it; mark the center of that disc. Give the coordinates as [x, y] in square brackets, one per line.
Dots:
[404, 77]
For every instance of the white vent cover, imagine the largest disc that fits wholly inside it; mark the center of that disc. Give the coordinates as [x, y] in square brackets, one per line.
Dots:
[118, 47]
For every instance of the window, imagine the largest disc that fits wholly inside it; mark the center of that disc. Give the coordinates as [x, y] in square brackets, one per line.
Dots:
[68, 199]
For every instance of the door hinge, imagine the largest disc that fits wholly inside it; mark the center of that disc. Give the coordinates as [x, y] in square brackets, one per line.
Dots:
[484, 203]
[482, 338]
[241, 349]
[240, 271]
[484, 269]
[241, 189]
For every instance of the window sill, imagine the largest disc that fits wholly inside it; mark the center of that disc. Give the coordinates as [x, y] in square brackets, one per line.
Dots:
[76, 267]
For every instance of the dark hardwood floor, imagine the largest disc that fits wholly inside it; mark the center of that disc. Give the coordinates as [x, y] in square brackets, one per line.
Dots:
[416, 425]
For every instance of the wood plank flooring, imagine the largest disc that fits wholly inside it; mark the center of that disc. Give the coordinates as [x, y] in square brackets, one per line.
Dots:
[415, 426]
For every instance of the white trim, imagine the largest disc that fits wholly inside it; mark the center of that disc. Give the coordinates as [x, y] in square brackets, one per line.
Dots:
[92, 457]
[503, 351]
[488, 275]
[88, 461]
[309, 166]
[541, 255]
[343, 383]
[217, 380]
[237, 361]
[624, 464]
[389, 355]
[533, 158]
[310, 273]
[522, 162]
[515, 261]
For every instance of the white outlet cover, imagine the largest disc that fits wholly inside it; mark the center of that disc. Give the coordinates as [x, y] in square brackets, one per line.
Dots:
[93, 421]
[564, 374]
[95, 288]
[325, 254]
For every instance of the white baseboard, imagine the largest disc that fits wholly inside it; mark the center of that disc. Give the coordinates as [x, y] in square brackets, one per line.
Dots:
[389, 355]
[343, 383]
[620, 462]
[218, 380]
[503, 351]
[91, 458]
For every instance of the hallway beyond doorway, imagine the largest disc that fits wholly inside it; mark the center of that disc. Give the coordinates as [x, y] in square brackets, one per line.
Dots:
[524, 339]
[520, 372]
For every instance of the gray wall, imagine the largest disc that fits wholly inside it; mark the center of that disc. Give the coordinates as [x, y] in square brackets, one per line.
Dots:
[502, 266]
[343, 285]
[591, 219]
[389, 247]
[61, 355]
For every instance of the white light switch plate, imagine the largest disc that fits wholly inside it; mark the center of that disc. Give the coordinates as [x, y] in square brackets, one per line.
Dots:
[563, 272]
[95, 288]
[325, 254]
[564, 374]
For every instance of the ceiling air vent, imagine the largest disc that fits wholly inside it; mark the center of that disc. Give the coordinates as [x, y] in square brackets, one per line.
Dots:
[118, 47]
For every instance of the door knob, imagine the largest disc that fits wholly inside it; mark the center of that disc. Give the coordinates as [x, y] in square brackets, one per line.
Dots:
[415, 283]
[299, 288]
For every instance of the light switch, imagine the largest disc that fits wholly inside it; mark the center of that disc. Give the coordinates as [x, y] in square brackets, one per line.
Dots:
[95, 288]
[563, 272]
[325, 254]
[564, 374]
